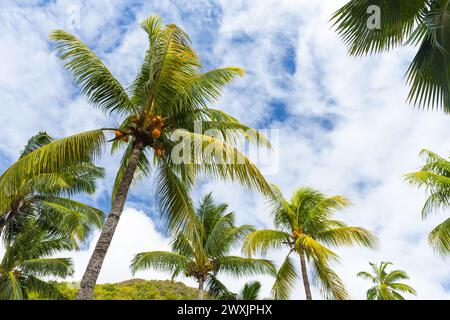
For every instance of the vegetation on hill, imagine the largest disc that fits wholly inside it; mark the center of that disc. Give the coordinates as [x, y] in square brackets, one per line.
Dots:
[135, 289]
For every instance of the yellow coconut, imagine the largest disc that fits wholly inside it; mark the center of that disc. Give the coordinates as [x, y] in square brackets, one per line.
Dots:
[156, 133]
[158, 152]
[118, 134]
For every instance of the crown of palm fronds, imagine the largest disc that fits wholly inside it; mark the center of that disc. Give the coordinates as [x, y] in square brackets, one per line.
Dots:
[27, 258]
[43, 197]
[305, 226]
[386, 283]
[170, 94]
[434, 176]
[204, 253]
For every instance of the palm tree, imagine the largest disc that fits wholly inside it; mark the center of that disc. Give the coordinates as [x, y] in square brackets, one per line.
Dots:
[45, 197]
[168, 98]
[386, 285]
[26, 260]
[422, 23]
[435, 177]
[305, 226]
[250, 291]
[203, 254]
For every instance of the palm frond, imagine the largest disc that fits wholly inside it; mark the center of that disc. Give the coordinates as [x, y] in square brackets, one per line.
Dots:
[284, 280]
[158, 260]
[262, 240]
[89, 72]
[398, 19]
[241, 267]
[439, 238]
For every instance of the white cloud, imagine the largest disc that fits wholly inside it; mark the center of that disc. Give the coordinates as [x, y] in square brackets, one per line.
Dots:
[135, 233]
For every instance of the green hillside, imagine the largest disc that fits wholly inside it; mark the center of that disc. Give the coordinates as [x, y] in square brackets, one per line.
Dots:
[135, 289]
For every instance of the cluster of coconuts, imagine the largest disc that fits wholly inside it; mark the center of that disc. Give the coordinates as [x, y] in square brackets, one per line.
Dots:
[154, 127]
[194, 270]
[121, 135]
[296, 234]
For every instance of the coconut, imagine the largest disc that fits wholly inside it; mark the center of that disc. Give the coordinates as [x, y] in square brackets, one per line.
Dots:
[158, 152]
[125, 138]
[118, 134]
[156, 133]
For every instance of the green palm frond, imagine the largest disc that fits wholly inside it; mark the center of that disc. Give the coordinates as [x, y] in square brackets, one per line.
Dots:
[439, 238]
[284, 280]
[58, 267]
[403, 288]
[348, 236]
[331, 285]
[263, 240]
[89, 72]
[45, 289]
[221, 160]
[158, 260]
[93, 215]
[10, 287]
[241, 267]
[80, 148]
[173, 199]
[398, 18]
[250, 291]
[217, 289]
[314, 249]
[366, 275]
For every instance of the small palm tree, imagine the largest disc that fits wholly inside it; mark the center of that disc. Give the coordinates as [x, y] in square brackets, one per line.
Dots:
[45, 196]
[250, 291]
[422, 23]
[203, 254]
[386, 285]
[305, 226]
[165, 103]
[435, 177]
[26, 260]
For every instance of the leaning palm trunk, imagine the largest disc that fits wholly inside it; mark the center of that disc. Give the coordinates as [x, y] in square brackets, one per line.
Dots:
[101, 248]
[200, 289]
[305, 277]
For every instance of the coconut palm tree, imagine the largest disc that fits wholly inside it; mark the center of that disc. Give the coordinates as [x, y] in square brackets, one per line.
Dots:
[166, 102]
[305, 225]
[203, 254]
[386, 285]
[26, 259]
[45, 196]
[435, 177]
[421, 23]
[250, 291]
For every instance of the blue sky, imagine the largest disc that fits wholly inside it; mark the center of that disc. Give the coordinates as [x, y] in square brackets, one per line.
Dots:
[343, 122]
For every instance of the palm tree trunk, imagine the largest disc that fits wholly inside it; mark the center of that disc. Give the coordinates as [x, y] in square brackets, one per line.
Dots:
[305, 276]
[200, 289]
[98, 256]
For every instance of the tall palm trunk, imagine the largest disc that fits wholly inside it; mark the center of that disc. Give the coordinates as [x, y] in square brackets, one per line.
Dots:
[200, 289]
[305, 276]
[101, 248]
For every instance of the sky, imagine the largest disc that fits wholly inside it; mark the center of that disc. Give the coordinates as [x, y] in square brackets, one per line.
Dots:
[343, 124]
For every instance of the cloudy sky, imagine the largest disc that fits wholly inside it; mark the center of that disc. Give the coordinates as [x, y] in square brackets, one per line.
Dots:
[344, 126]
